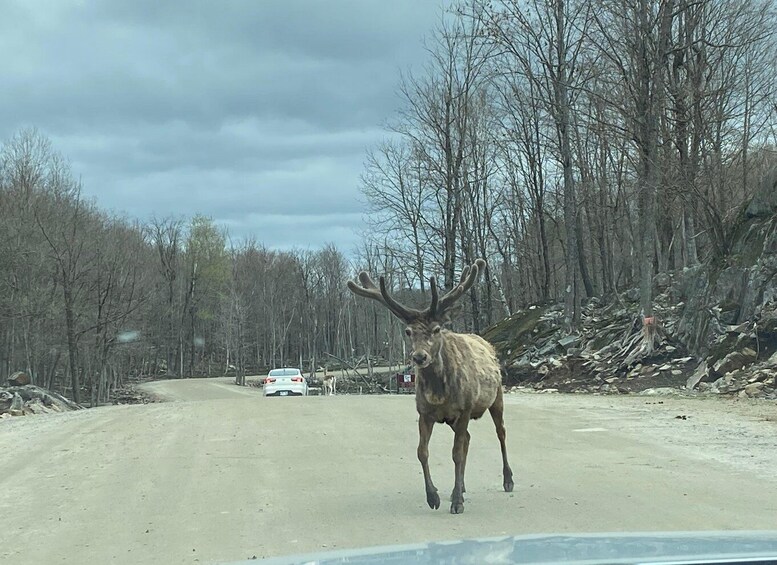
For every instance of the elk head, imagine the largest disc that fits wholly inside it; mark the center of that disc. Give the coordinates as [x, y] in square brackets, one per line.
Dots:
[424, 327]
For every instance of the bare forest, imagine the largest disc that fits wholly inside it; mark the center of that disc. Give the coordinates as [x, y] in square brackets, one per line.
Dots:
[580, 147]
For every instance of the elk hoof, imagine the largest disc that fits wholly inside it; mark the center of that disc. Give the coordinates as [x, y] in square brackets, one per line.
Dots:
[433, 499]
[457, 508]
[508, 485]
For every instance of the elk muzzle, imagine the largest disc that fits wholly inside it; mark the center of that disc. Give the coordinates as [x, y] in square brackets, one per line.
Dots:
[420, 358]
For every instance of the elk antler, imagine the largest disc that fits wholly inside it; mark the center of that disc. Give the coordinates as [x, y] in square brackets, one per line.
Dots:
[469, 275]
[368, 289]
[438, 307]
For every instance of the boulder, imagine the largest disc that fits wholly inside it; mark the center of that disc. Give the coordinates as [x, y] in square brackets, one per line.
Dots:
[662, 281]
[700, 375]
[19, 379]
[753, 389]
[6, 398]
[17, 406]
[660, 391]
[735, 360]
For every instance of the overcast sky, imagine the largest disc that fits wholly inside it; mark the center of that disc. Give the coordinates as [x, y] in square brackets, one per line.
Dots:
[256, 112]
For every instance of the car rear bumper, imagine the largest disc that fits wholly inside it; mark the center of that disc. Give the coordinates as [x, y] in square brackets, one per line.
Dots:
[285, 389]
[284, 393]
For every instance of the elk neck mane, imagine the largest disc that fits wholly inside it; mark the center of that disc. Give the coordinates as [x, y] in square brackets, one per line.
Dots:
[439, 378]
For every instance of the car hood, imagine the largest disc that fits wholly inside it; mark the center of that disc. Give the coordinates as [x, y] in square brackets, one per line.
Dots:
[664, 548]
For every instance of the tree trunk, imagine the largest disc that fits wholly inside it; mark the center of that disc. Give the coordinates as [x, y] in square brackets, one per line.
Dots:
[72, 344]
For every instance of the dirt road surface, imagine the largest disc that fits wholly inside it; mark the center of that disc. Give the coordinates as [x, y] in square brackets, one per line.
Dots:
[222, 474]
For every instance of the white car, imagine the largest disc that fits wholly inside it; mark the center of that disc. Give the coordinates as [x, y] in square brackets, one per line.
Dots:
[285, 382]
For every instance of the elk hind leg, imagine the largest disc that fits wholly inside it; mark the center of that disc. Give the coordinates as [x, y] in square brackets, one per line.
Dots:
[497, 414]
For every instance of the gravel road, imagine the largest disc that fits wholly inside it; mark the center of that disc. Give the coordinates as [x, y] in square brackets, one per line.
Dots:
[222, 474]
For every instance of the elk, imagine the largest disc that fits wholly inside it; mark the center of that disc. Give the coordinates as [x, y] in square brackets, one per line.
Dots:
[330, 384]
[458, 376]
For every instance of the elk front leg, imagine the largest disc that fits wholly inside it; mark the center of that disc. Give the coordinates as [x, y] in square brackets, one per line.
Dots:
[460, 445]
[425, 426]
[466, 451]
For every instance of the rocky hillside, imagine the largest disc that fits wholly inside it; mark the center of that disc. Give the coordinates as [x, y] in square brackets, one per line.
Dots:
[718, 326]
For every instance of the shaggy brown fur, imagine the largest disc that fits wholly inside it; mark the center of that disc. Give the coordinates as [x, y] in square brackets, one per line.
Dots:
[457, 377]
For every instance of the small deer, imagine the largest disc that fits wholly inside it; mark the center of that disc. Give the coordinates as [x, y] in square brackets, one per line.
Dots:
[457, 377]
[330, 384]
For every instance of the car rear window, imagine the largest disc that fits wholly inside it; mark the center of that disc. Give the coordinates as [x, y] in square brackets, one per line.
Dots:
[284, 372]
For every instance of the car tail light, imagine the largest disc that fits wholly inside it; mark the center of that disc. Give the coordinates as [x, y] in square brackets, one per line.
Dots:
[296, 379]
[269, 380]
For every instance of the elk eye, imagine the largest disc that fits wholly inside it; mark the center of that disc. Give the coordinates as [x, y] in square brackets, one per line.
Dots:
[408, 331]
[436, 330]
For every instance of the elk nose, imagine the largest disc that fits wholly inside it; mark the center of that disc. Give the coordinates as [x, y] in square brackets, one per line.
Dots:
[419, 358]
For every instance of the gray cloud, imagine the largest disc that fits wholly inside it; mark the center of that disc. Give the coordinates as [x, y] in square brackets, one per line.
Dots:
[256, 113]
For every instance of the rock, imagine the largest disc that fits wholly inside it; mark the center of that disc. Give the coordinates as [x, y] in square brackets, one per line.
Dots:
[548, 348]
[676, 372]
[549, 390]
[701, 374]
[728, 312]
[666, 367]
[632, 295]
[6, 398]
[19, 379]
[36, 407]
[670, 348]
[611, 380]
[662, 281]
[29, 393]
[569, 341]
[661, 391]
[17, 406]
[723, 382]
[753, 389]
[735, 360]
[758, 377]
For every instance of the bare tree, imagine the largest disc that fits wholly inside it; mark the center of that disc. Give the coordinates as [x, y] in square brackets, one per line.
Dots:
[166, 235]
[546, 41]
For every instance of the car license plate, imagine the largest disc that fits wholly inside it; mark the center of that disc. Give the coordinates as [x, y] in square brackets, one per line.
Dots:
[284, 393]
